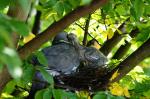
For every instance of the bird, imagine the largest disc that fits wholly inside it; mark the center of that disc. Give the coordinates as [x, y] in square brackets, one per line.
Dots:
[89, 56]
[62, 56]
[60, 38]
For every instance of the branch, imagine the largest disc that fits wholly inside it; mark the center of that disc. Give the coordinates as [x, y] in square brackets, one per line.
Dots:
[109, 44]
[16, 11]
[86, 30]
[79, 26]
[130, 62]
[19, 13]
[124, 48]
[56, 27]
[37, 22]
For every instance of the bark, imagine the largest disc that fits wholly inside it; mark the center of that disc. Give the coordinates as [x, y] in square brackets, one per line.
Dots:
[130, 62]
[109, 44]
[86, 30]
[15, 11]
[56, 27]
[124, 48]
[37, 21]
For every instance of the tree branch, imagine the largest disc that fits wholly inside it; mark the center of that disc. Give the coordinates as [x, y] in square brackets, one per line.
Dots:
[86, 30]
[37, 22]
[16, 11]
[56, 27]
[109, 44]
[130, 62]
[19, 13]
[124, 48]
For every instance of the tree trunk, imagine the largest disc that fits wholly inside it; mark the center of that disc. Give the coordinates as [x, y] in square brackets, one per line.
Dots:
[15, 11]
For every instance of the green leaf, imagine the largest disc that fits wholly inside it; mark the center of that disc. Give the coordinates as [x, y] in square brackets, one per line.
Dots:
[47, 94]
[41, 58]
[59, 8]
[108, 7]
[5, 38]
[58, 93]
[100, 95]
[144, 35]
[147, 9]
[46, 75]
[69, 95]
[20, 27]
[74, 3]
[4, 3]
[49, 4]
[85, 2]
[121, 10]
[28, 73]
[13, 62]
[67, 7]
[138, 8]
[25, 4]
[10, 87]
[11, 25]
[39, 94]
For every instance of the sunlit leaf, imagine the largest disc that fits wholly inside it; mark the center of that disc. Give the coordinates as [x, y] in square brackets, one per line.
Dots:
[116, 89]
[10, 87]
[126, 92]
[110, 33]
[114, 75]
[121, 10]
[28, 38]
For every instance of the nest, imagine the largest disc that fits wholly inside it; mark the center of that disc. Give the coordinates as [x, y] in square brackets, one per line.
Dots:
[86, 78]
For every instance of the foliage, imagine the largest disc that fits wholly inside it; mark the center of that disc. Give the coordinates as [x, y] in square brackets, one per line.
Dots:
[103, 24]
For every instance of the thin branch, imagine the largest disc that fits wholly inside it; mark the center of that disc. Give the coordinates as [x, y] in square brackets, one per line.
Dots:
[80, 26]
[86, 30]
[56, 27]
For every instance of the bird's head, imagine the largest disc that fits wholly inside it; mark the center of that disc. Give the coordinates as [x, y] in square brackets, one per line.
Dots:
[72, 38]
[61, 37]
